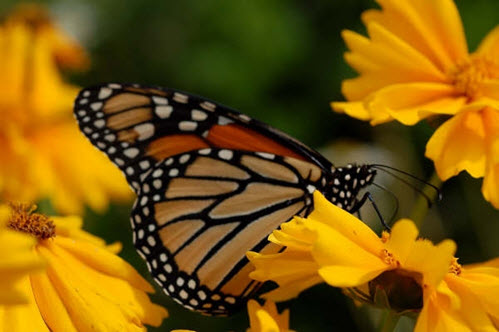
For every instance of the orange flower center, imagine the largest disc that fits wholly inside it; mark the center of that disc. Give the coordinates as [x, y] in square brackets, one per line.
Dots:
[468, 76]
[24, 219]
[455, 267]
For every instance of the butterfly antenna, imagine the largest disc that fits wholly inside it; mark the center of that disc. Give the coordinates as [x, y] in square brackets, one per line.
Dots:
[420, 191]
[394, 198]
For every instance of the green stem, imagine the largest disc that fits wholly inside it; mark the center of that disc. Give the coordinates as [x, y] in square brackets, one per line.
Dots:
[421, 207]
[388, 322]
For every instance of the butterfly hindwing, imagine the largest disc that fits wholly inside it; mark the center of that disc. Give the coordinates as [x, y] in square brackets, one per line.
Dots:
[210, 207]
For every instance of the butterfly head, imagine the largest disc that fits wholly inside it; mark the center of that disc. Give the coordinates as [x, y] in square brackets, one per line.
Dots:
[346, 182]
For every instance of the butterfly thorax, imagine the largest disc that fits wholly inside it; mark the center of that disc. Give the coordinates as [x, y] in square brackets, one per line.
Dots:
[344, 184]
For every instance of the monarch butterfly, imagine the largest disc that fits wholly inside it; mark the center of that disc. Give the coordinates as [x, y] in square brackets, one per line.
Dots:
[211, 184]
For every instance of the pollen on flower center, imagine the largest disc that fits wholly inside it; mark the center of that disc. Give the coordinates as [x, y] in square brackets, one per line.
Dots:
[24, 219]
[468, 75]
[455, 267]
[388, 258]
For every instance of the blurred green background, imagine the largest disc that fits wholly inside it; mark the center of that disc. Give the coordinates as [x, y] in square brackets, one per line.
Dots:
[280, 62]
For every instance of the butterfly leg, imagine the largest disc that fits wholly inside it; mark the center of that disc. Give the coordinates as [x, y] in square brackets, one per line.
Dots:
[358, 205]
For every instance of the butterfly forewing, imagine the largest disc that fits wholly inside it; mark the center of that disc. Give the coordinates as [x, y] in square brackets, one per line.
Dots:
[139, 126]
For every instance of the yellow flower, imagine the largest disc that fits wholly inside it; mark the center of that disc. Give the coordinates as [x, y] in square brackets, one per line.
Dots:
[466, 300]
[398, 270]
[43, 153]
[263, 318]
[17, 260]
[85, 287]
[266, 318]
[415, 64]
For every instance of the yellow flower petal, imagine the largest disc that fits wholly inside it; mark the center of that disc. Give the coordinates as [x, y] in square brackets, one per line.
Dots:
[17, 260]
[127, 306]
[490, 44]
[434, 28]
[67, 52]
[38, 127]
[345, 262]
[105, 262]
[458, 145]
[266, 318]
[93, 185]
[415, 64]
[490, 188]
[356, 110]
[382, 60]
[292, 271]
[435, 316]
[24, 317]
[50, 305]
[344, 223]
[294, 235]
[348, 276]
[490, 89]
[85, 287]
[409, 103]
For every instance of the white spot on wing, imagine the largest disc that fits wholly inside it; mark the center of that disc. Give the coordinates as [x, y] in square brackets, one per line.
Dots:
[104, 93]
[144, 164]
[198, 115]
[225, 154]
[157, 184]
[96, 106]
[204, 151]
[160, 100]
[310, 188]
[222, 120]
[145, 130]
[184, 158]
[163, 111]
[151, 241]
[180, 98]
[131, 152]
[157, 173]
[187, 125]
[266, 155]
[99, 123]
[244, 117]
[208, 106]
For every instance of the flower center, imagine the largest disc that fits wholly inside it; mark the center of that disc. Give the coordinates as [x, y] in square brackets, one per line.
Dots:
[24, 219]
[468, 76]
[455, 267]
[398, 290]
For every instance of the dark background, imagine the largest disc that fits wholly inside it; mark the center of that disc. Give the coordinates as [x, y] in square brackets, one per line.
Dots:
[280, 62]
